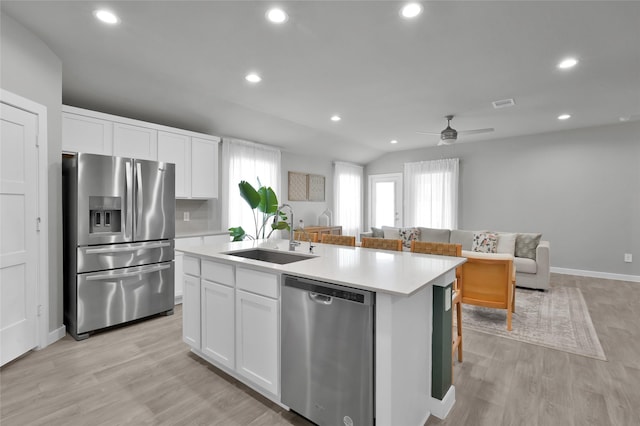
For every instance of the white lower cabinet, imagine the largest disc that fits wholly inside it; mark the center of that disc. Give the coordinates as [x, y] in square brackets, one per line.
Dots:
[217, 322]
[233, 320]
[191, 309]
[257, 339]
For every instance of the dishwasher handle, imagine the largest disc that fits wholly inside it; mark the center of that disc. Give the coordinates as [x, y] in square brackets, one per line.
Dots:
[320, 298]
[324, 293]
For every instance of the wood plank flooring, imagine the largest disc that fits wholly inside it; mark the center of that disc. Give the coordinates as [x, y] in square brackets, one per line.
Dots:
[143, 374]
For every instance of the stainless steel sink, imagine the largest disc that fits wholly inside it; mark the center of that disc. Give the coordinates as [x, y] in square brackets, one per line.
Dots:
[271, 256]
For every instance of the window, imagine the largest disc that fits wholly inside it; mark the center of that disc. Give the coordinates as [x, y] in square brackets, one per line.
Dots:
[431, 193]
[248, 161]
[347, 190]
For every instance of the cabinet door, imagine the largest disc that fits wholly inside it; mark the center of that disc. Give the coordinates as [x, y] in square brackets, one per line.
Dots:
[204, 168]
[217, 322]
[179, 276]
[191, 311]
[86, 134]
[257, 339]
[175, 148]
[135, 141]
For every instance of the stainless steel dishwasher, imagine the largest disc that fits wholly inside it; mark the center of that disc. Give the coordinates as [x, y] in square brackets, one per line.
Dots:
[328, 352]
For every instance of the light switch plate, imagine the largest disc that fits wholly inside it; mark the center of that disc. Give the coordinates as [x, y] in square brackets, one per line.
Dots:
[186, 216]
[628, 257]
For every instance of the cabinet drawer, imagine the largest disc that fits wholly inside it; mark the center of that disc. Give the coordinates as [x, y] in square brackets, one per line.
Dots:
[183, 243]
[217, 272]
[191, 266]
[258, 282]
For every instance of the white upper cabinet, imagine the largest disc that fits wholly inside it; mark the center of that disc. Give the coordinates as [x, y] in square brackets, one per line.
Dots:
[86, 134]
[176, 148]
[204, 176]
[194, 154]
[135, 141]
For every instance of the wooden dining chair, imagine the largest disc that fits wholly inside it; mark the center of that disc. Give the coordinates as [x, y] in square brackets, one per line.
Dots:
[490, 281]
[312, 237]
[339, 240]
[381, 243]
[446, 249]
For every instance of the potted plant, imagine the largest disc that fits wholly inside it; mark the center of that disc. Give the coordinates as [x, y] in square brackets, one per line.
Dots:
[264, 205]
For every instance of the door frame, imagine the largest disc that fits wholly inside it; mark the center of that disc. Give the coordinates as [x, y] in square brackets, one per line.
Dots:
[42, 284]
[400, 193]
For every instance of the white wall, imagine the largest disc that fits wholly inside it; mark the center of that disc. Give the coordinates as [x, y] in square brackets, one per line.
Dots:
[30, 69]
[307, 210]
[580, 188]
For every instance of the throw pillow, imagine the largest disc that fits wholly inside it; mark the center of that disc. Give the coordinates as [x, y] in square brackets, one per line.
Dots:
[377, 232]
[391, 233]
[506, 243]
[526, 245]
[484, 242]
[409, 234]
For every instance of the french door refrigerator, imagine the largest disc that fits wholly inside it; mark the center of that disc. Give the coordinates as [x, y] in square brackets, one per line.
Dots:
[119, 229]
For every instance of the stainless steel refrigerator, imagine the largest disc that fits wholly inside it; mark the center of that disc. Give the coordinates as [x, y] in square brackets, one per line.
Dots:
[119, 229]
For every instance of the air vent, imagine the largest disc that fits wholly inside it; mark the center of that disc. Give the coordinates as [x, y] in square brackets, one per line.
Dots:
[503, 103]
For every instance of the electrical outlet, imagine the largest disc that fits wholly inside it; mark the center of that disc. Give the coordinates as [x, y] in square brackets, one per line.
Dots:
[186, 217]
[628, 257]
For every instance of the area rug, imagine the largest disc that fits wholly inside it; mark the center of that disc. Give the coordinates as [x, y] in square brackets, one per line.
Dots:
[557, 318]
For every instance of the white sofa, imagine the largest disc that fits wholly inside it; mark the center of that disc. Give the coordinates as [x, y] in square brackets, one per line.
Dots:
[531, 272]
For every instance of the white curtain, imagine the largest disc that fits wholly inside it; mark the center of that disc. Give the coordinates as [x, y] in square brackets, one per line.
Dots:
[347, 197]
[431, 194]
[242, 160]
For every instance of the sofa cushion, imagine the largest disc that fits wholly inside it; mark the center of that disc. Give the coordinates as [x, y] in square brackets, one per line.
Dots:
[484, 242]
[526, 245]
[465, 238]
[409, 234]
[524, 264]
[391, 233]
[506, 243]
[434, 235]
[377, 232]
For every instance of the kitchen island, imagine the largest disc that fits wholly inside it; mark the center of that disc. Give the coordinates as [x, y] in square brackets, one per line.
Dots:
[231, 316]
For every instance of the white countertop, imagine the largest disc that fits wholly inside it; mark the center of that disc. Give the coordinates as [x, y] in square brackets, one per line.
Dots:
[399, 273]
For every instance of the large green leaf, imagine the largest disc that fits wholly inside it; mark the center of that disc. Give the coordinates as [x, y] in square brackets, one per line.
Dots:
[280, 225]
[268, 201]
[248, 192]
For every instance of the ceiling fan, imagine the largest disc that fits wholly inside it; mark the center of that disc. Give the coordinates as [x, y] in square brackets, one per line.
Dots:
[449, 135]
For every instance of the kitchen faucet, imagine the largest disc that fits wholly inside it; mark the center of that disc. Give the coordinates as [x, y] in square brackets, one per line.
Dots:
[292, 243]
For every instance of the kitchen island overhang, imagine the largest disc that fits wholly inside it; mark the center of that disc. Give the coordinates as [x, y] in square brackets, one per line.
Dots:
[403, 283]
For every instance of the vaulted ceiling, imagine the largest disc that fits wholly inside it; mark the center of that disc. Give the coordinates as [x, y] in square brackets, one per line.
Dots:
[183, 64]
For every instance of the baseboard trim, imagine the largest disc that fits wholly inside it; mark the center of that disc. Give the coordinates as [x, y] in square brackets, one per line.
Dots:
[56, 335]
[441, 408]
[596, 274]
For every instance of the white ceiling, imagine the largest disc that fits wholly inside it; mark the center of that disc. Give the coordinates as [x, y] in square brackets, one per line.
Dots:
[182, 63]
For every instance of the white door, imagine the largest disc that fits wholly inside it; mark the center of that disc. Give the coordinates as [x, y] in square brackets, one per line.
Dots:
[385, 200]
[18, 233]
[135, 141]
[218, 322]
[191, 310]
[257, 339]
[176, 149]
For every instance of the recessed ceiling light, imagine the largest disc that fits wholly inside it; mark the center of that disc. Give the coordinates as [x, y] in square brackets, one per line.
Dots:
[253, 78]
[411, 10]
[106, 16]
[567, 63]
[393, 141]
[335, 118]
[625, 118]
[564, 117]
[277, 16]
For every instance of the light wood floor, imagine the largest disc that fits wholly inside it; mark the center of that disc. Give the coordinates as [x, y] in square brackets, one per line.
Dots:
[144, 375]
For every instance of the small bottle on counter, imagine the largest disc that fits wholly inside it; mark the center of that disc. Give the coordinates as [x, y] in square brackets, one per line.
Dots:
[301, 224]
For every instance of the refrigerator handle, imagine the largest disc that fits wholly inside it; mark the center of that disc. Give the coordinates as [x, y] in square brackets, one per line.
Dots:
[139, 200]
[128, 200]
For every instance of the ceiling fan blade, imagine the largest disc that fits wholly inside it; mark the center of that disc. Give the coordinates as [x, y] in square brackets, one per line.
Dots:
[476, 131]
[429, 133]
